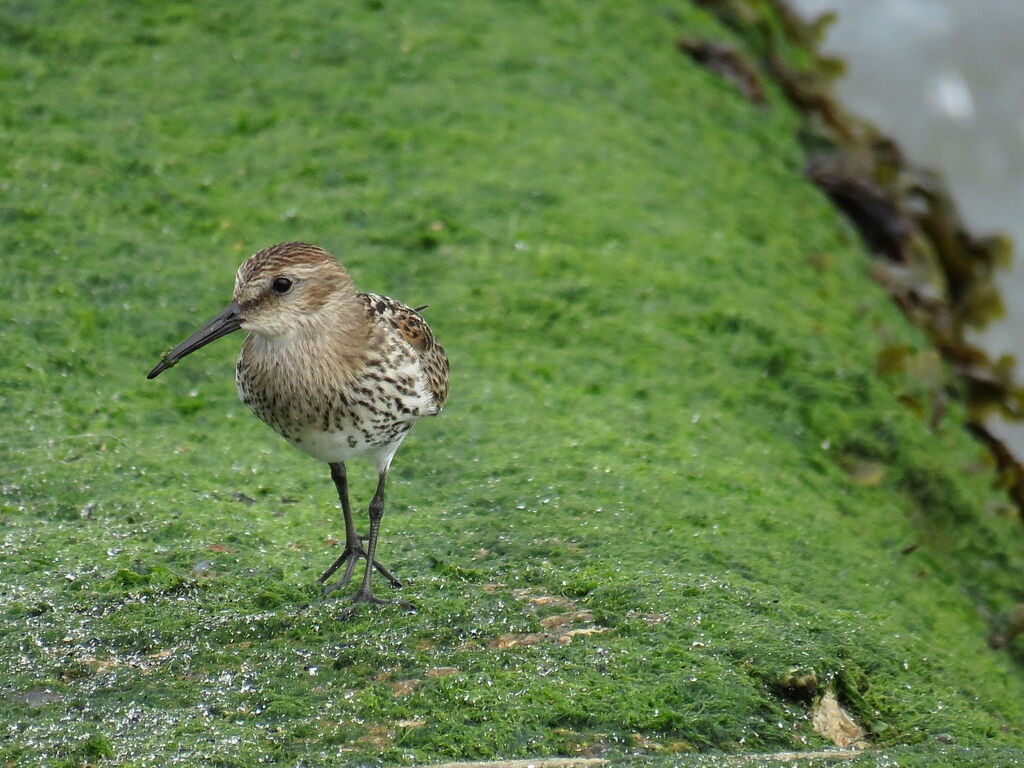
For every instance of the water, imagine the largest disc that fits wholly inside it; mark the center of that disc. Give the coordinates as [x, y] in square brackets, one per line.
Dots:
[945, 78]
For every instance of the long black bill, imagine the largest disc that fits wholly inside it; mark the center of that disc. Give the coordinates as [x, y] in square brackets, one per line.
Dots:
[228, 321]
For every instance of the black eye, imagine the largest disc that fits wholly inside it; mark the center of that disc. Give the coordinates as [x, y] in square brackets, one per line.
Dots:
[281, 285]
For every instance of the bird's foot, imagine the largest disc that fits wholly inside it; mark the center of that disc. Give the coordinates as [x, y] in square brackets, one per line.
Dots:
[367, 596]
[349, 558]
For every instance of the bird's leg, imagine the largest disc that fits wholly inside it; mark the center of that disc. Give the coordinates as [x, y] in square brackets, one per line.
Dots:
[352, 544]
[365, 592]
[353, 541]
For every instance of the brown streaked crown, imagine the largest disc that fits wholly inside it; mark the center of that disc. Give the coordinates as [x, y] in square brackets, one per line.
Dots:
[281, 257]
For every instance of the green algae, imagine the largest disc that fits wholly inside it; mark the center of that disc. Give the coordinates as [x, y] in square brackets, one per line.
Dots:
[664, 347]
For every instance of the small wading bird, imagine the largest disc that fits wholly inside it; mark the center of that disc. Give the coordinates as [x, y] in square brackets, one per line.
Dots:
[336, 372]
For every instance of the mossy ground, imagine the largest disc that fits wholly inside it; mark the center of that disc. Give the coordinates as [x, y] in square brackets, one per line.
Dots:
[663, 344]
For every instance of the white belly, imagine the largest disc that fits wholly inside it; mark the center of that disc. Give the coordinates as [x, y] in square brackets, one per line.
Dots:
[352, 440]
[338, 446]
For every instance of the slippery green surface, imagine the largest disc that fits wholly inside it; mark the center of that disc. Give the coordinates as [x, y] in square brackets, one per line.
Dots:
[666, 426]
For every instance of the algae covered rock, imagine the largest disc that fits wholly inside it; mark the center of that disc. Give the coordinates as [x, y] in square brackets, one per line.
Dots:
[672, 475]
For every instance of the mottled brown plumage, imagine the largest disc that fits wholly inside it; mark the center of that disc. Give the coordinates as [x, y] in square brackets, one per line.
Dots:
[336, 372]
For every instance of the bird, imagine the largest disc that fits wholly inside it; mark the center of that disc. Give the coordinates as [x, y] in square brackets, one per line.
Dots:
[337, 372]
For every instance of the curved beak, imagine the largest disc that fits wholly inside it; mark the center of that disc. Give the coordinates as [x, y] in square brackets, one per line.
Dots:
[228, 321]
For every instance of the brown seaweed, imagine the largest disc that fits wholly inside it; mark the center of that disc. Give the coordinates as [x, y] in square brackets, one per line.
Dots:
[725, 61]
[884, 225]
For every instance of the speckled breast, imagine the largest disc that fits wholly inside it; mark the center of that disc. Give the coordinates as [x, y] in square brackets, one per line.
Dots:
[335, 421]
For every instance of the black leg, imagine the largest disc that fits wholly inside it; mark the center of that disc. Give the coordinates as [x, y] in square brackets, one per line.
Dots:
[365, 592]
[376, 513]
[352, 545]
[340, 477]
[353, 541]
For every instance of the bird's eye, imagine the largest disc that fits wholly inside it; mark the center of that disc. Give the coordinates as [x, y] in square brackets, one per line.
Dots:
[281, 285]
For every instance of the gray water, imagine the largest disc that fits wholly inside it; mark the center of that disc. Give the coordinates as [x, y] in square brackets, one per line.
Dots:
[945, 78]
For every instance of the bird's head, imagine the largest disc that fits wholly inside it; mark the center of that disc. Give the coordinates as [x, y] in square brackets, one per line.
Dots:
[282, 290]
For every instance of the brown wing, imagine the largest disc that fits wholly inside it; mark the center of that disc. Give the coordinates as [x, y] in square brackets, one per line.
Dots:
[414, 329]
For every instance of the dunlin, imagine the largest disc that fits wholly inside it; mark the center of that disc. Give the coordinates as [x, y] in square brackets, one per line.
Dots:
[336, 372]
